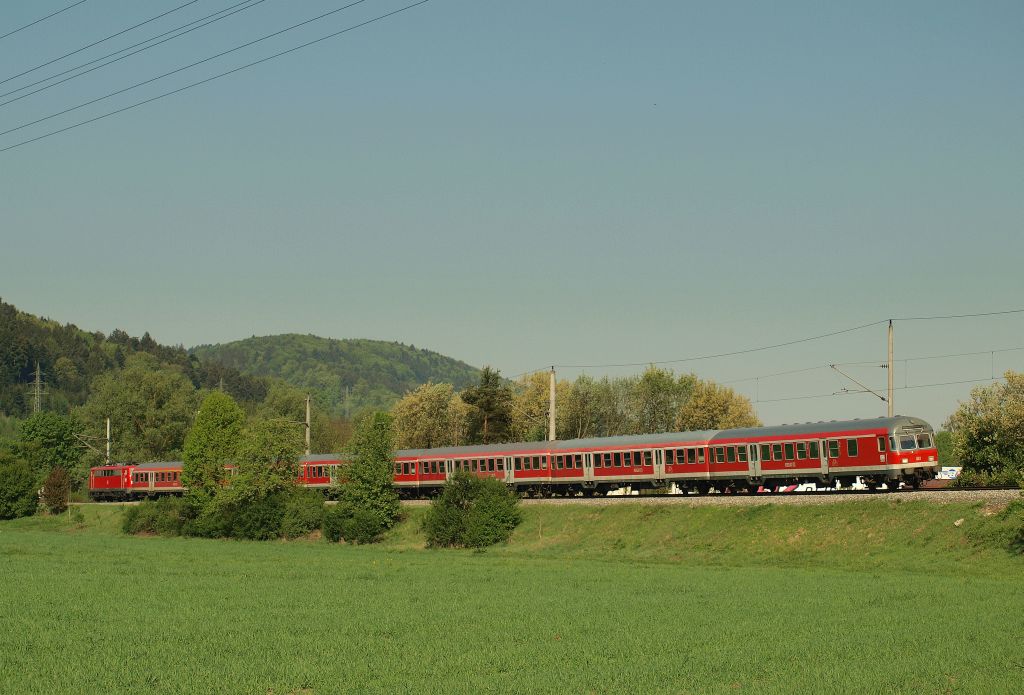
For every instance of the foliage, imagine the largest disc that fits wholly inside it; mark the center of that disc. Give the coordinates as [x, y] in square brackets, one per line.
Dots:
[988, 430]
[71, 360]
[946, 450]
[712, 407]
[472, 512]
[289, 403]
[53, 437]
[367, 502]
[303, 513]
[351, 376]
[490, 421]
[211, 442]
[1004, 477]
[151, 406]
[267, 458]
[17, 488]
[530, 399]
[430, 416]
[56, 488]
[166, 516]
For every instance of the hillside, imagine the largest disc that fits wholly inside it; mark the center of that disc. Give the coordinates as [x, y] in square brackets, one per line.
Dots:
[348, 374]
[70, 359]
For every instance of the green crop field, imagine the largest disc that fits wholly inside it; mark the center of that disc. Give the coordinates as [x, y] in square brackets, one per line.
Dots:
[868, 597]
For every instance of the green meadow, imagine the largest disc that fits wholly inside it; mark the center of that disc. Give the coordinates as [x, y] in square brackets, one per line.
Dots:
[861, 597]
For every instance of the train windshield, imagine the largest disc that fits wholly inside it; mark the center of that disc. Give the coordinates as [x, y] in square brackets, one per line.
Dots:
[907, 442]
[924, 441]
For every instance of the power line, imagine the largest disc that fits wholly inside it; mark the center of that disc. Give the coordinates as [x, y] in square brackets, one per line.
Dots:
[249, 4]
[183, 68]
[959, 316]
[897, 388]
[724, 354]
[96, 43]
[218, 76]
[42, 19]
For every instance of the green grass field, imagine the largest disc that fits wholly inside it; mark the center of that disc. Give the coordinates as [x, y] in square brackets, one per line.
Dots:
[866, 597]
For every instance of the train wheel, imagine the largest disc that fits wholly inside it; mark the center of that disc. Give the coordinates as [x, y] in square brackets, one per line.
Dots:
[703, 488]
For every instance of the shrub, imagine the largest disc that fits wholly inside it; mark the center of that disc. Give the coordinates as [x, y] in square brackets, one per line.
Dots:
[472, 512]
[345, 521]
[56, 489]
[166, 516]
[998, 478]
[17, 490]
[256, 518]
[303, 513]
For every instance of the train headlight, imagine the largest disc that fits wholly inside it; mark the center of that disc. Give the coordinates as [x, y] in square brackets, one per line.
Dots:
[903, 460]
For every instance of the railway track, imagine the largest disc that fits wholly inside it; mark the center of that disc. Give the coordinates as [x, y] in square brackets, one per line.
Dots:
[946, 495]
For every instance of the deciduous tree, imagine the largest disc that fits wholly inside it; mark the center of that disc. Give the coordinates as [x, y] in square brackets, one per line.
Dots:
[988, 429]
[212, 441]
[429, 416]
[712, 406]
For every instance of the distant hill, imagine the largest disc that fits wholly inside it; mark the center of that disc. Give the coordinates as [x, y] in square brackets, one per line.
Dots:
[70, 358]
[350, 375]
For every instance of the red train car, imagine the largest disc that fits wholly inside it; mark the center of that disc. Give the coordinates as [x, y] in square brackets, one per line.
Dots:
[879, 451]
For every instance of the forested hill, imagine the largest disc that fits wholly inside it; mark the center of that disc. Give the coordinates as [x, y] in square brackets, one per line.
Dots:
[70, 359]
[349, 375]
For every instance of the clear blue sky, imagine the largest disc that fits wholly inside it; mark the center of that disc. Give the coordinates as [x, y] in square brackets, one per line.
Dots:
[528, 183]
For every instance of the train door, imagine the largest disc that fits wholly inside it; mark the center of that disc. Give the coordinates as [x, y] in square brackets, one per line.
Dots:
[152, 480]
[754, 461]
[823, 453]
[449, 468]
[588, 467]
[659, 464]
[510, 476]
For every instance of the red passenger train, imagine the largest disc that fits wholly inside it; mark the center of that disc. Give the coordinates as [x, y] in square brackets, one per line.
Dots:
[878, 451]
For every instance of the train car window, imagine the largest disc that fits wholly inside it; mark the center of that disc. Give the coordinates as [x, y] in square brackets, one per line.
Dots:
[741, 453]
[518, 463]
[801, 450]
[789, 451]
[607, 460]
[558, 462]
[474, 465]
[908, 443]
[924, 441]
[579, 460]
[814, 450]
[881, 444]
[719, 454]
[544, 462]
[730, 454]
[700, 456]
[648, 458]
[776, 452]
[766, 452]
[833, 448]
[892, 443]
[536, 463]
[398, 468]
[667, 455]
[753, 452]
[851, 447]
[617, 458]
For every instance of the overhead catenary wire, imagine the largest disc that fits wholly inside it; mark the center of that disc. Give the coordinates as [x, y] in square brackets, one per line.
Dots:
[215, 77]
[852, 392]
[187, 67]
[96, 43]
[182, 29]
[776, 345]
[41, 19]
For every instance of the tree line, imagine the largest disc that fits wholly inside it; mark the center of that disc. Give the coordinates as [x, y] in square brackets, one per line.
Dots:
[496, 411]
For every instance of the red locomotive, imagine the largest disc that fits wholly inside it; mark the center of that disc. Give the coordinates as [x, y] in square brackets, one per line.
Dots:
[878, 451]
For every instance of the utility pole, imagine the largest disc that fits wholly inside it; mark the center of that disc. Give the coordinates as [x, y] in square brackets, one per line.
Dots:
[108, 441]
[37, 390]
[551, 406]
[307, 425]
[889, 367]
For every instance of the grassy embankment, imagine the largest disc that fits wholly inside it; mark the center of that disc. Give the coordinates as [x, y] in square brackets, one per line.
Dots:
[867, 596]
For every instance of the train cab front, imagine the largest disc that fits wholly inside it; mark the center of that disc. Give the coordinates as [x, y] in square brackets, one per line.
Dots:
[913, 456]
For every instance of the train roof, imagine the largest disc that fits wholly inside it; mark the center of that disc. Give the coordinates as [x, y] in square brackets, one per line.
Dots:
[156, 464]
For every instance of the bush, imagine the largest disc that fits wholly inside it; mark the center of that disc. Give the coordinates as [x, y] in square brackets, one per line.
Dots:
[999, 478]
[256, 518]
[166, 516]
[345, 521]
[17, 490]
[303, 513]
[56, 489]
[472, 512]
